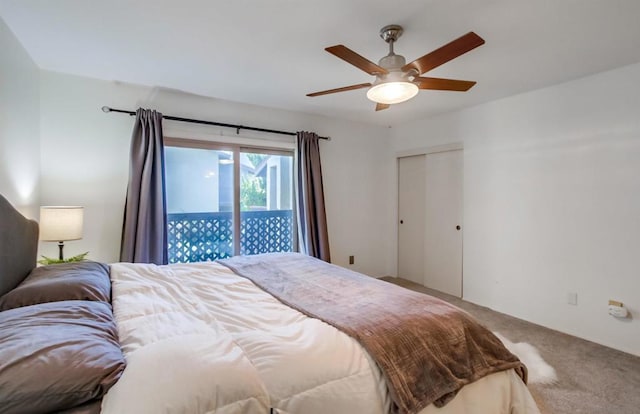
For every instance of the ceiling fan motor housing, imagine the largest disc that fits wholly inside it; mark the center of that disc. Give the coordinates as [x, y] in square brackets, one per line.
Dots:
[394, 64]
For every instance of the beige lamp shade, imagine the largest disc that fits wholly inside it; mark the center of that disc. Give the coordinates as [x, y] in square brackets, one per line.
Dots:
[61, 223]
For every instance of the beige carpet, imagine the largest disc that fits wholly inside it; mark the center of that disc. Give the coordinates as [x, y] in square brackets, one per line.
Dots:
[592, 379]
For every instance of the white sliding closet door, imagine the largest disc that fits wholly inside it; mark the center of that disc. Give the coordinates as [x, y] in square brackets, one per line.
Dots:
[443, 215]
[411, 205]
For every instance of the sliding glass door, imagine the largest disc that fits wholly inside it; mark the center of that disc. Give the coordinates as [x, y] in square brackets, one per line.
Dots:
[199, 184]
[224, 200]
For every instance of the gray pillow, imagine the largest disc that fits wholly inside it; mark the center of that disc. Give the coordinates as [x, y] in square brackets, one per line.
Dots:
[57, 355]
[64, 281]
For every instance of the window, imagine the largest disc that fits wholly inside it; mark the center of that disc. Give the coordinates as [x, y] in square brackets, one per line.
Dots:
[224, 200]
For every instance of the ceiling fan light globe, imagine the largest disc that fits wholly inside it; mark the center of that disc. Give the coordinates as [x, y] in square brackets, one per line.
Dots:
[392, 92]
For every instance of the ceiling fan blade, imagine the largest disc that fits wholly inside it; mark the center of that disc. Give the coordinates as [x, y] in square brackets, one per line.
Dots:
[446, 53]
[443, 84]
[381, 106]
[343, 89]
[356, 60]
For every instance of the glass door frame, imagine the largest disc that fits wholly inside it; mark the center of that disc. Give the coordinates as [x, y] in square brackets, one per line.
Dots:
[236, 149]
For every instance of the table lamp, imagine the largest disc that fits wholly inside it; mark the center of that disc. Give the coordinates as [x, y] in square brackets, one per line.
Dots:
[61, 223]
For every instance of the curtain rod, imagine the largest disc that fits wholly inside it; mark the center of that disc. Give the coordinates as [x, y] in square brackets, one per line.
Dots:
[107, 109]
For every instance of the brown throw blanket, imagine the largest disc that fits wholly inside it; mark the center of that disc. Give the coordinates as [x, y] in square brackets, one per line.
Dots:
[426, 348]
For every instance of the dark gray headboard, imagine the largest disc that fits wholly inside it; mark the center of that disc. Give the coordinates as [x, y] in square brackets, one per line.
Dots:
[18, 246]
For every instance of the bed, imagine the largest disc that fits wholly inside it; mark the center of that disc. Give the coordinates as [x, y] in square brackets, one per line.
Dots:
[234, 337]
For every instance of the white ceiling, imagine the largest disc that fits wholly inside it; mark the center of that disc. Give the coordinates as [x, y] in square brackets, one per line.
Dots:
[271, 52]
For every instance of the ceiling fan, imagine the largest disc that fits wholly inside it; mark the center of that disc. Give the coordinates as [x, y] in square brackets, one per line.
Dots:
[397, 81]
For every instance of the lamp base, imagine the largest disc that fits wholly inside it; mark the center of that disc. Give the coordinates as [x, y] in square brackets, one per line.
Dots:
[60, 247]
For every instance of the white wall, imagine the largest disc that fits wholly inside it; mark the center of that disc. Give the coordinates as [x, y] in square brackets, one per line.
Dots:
[19, 125]
[85, 161]
[551, 202]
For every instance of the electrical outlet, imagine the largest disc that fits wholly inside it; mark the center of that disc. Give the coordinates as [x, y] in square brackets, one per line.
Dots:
[572, 298]
[351, 260]
[618, 311]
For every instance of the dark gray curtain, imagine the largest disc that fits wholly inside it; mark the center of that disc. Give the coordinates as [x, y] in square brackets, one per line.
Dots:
[312, 220]
[144, 231]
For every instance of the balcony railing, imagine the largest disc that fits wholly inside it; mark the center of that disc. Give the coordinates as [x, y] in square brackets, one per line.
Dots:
[201, 237]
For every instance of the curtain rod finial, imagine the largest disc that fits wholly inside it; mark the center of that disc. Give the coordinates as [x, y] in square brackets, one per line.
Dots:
[106, 109]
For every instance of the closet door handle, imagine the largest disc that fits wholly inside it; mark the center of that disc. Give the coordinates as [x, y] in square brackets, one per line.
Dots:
[401, 221]
[458, 227]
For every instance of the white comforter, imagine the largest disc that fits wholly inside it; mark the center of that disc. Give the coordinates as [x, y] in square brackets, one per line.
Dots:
[200, 339]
